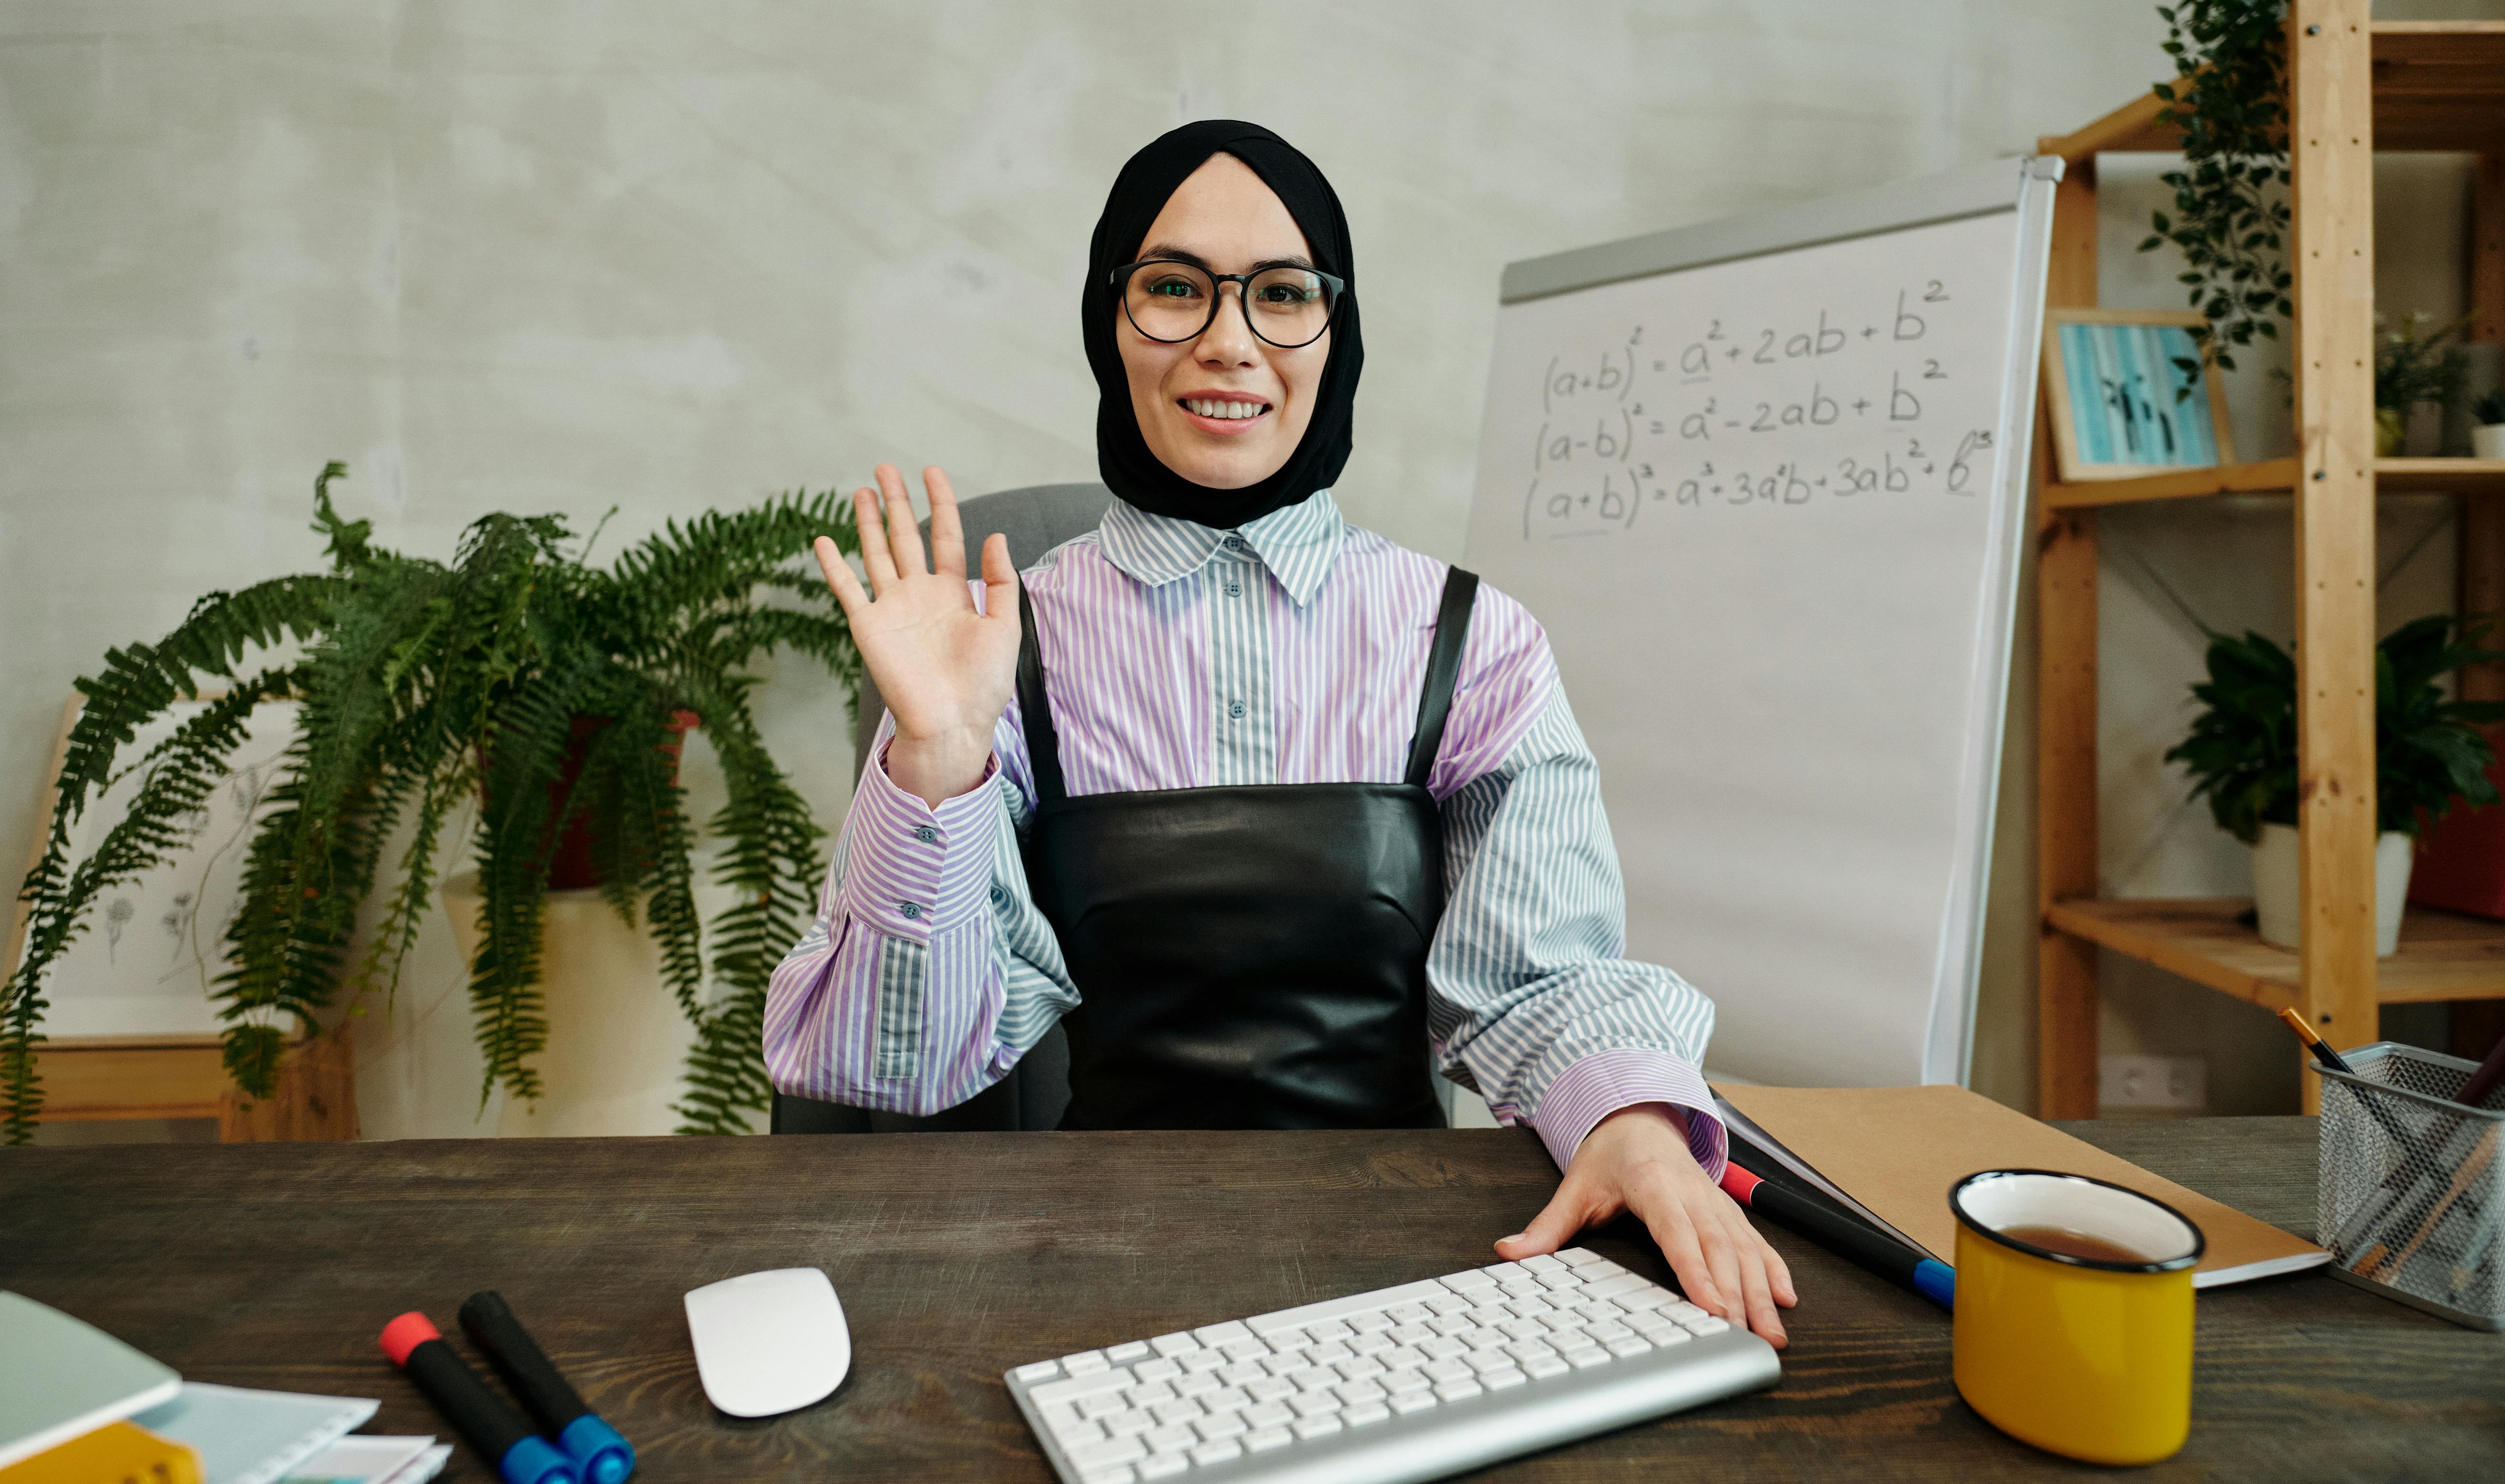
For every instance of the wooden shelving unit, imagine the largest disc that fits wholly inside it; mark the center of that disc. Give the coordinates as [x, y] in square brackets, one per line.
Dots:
[2354, 87]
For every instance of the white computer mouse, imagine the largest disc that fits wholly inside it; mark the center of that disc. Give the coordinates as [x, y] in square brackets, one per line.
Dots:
[770, 1342]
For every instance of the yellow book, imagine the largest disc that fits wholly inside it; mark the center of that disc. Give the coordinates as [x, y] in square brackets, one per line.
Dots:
[117, 1453]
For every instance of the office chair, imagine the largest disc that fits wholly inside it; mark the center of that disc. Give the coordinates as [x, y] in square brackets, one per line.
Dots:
[1035, 520]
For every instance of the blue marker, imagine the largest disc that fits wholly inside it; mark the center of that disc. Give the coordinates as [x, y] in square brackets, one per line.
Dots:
[483, 1417]
[597, 1449]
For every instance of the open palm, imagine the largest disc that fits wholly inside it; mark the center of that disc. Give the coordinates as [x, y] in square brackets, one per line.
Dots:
[944, 667]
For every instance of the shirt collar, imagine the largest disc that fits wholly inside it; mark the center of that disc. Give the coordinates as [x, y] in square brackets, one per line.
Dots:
[1299, 544]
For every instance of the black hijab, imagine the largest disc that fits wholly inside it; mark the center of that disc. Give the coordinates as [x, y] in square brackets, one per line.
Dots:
[1147, 182]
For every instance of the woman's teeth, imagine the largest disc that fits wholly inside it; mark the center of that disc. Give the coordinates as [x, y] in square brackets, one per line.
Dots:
[1207, 408]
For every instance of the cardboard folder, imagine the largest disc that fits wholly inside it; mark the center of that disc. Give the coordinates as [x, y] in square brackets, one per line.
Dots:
[1896, 1150]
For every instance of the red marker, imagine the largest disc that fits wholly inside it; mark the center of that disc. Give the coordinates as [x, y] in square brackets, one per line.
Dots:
[1843, 1236]
[485, 1419]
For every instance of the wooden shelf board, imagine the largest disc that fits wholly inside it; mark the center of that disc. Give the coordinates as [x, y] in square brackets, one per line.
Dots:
[2277, 477]
[2443, 956]
[2438, 84]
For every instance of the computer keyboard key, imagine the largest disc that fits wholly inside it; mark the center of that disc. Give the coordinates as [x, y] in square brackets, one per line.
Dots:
[1373, 1344]
[1196, 1383]
[1612, 1287]
[1148, 1393]
[1159, 1369]
[1359, 1416]
[1632, 1345]
[1219, 1336]
[1128, 1424]
[1445, 1303]
[1328, 1351]
[1079, 1430]
[1073, 1388]
[1173, 1344]
[1164, 1465]
[1263, 1439]
[1102, 1405]
[1200, 1362]
[1215, 1453]
[1269, 1414]
[1447, 1370]
[1708, 1325]
[1251, 1347]
[1216, 1429]
[1226, 1399]
[1119, 1473]
[1084, 1362]
[1457, 1391]
[1040, 1371]
[1498, 1380]
[1169, 1440]
[1269, 1389]
[1121, 1450]
[1124, 1355]
[1317, 1427]
[1241, 1372]
[1174, 1413]
[1312, 1405]
[1542, 1367]
[1587, 1357]
[1476, 1279]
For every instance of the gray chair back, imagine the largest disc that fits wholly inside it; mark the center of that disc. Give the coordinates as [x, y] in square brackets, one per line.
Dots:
[1035, 520]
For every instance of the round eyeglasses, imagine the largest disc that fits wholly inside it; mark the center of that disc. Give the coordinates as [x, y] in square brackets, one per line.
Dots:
[1172, 301]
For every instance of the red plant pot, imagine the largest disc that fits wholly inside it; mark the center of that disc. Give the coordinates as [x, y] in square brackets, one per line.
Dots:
[571, 864]
[2461, 860]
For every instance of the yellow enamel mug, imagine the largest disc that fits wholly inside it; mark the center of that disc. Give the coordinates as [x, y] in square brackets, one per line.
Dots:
[2085, 1356]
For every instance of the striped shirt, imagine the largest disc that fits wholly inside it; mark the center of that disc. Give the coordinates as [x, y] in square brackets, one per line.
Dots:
[1289, 651]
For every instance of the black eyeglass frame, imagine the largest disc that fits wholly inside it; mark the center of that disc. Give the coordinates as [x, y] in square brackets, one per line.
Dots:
[1121, 283]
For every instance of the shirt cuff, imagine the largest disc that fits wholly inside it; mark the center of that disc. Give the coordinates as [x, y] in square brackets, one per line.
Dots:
[915, 870]
[1607, 1082]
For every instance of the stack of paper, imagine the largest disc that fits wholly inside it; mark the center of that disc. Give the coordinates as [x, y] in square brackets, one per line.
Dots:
[1891, 1153]
[77, 1405]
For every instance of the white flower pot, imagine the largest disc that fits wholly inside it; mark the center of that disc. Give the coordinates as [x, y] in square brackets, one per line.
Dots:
[2488, 441]
[2274, 887]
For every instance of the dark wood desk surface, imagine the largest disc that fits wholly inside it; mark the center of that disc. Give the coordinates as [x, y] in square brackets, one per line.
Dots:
[958, 1255]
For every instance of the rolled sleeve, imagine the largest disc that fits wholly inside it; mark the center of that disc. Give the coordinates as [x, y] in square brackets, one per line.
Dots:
[1608, 1082]
[916, 870]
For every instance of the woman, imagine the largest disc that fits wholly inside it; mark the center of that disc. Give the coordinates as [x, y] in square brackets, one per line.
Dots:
[1257, 803]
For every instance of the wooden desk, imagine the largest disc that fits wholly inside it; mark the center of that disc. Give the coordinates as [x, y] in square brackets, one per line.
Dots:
[959, 1255]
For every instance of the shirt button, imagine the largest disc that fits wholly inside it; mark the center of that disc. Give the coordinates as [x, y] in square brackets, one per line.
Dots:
[1235, 590]
[998, 894]
[926, 834]
[1234, 542]
[909, 909]
[1235, 709]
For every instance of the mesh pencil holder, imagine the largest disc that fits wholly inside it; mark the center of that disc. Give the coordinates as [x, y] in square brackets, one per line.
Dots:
[2412, 1198]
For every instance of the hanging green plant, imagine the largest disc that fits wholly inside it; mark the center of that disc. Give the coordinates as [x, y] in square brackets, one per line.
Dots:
[2231, 219]
[423, 686]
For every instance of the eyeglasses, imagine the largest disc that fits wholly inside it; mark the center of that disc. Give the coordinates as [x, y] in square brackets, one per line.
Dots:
[1172, 301]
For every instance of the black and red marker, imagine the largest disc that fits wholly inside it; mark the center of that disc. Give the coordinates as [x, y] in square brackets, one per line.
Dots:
[489, 1423]
[1842, 1235]
[597, 1449]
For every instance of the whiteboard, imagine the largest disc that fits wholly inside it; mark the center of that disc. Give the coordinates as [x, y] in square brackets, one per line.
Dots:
[1761, 481]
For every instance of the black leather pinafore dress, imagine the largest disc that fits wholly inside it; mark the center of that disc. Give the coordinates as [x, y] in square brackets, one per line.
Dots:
[1250, 956]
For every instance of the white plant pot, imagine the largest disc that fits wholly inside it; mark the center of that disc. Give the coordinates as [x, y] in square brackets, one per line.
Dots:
[2488, 441]
[2274, 887]
[616, 1042]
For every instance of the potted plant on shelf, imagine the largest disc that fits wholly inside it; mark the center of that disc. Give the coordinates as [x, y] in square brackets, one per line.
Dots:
[2428, 754]
[551, 691]
[2413, 367]
[2487, 426]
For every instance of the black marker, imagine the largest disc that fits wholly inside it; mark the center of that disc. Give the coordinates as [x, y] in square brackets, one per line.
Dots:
[596, 1448]
[491, 1425]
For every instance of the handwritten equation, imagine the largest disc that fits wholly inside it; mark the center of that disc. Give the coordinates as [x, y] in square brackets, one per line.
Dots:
[1843, 403]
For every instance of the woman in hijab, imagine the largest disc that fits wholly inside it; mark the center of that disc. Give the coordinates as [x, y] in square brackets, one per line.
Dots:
[1255, 803]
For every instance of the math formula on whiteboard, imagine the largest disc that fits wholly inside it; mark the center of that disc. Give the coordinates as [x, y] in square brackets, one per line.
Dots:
[1858, 400]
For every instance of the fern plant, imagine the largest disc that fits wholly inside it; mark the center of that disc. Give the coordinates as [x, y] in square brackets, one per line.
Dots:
[422, 685]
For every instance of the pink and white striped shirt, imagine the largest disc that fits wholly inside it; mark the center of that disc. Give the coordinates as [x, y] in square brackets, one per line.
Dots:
[1290, 651]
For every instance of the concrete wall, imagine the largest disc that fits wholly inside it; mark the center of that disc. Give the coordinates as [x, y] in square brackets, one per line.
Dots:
[561, 256]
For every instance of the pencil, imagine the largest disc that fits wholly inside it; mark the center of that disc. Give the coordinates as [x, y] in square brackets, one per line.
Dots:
[2320, 1048]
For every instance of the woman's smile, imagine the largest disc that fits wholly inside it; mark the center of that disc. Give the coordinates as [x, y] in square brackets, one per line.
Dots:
[1226, 415]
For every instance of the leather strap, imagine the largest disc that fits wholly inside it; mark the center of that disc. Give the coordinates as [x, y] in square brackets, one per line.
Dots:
[1043, 744]
[1443, 665]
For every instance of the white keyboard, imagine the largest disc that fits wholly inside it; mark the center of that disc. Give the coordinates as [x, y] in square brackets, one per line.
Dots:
[1404, 1384]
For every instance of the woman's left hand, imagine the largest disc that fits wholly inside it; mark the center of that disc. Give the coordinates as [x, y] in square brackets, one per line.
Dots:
[1637, 1159]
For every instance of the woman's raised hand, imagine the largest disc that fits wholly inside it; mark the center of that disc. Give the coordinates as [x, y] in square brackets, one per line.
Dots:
[944, 669]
